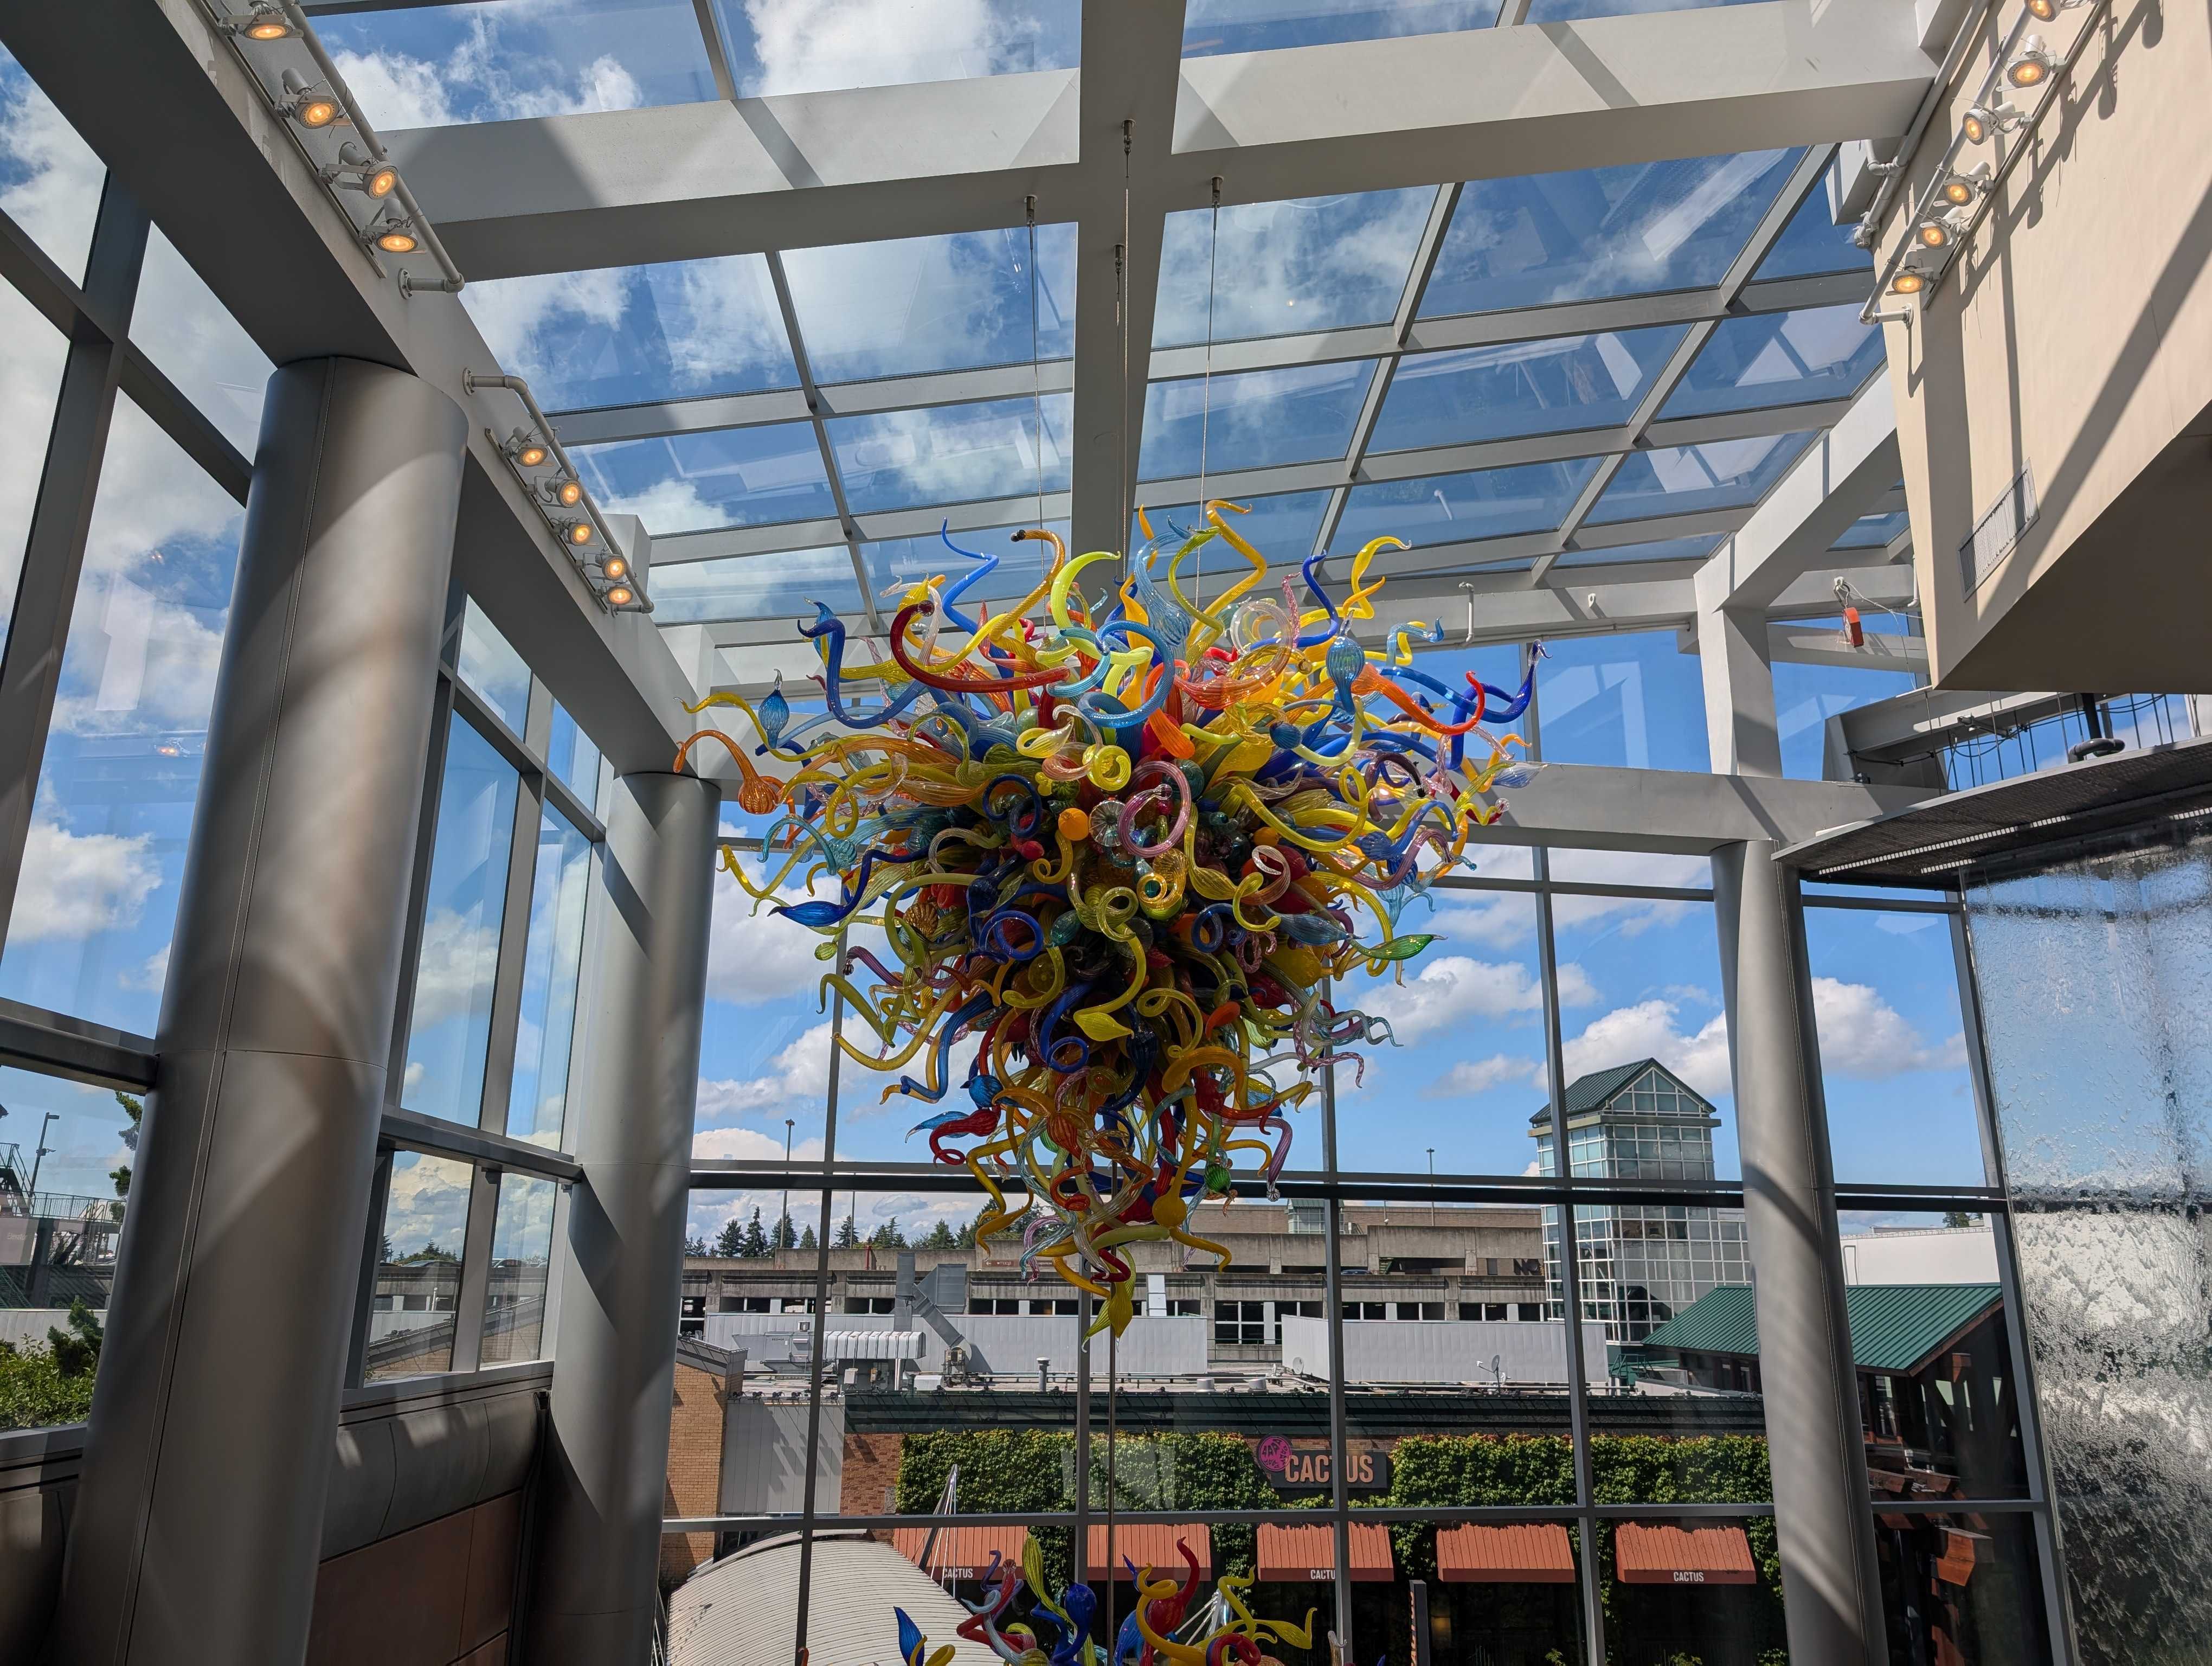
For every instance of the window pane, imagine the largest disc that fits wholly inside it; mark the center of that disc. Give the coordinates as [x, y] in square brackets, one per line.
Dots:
[1607, 231]
[430, 66]
[521, 1254]
[1892, 1049]
[1525, 387]
[488, 665]
[1455, 1091]
[1258, 26]
[781, 48]
[50, 181]
[570, 755]
[418, 1277]
[98, 897]
[537, 1097]
[449, 1029]
[784, 584]
[764, 1054]
[201, 347]
[1299, 414]
[30, 384]
[1779, 359]
[899, 561]
[688, 482]
[61, 1215]
[1567, 11]
[1448, 508]
[1964, 1587]
[1314, 263]
[1635, 700]
[1673, 480]
[1812, 243]
[1807, 696]
[620, 334]
[933, 303]
[900, 459]
[1282, 527]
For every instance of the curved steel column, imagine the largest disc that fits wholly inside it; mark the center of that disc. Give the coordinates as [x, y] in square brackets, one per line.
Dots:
[593, 1590]
[200, 1516]
[1823, 1521]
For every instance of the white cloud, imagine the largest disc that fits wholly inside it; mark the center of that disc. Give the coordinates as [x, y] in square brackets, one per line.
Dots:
[817, 45]
[1450, 991]
[1649, 1028]
[137, 662]
[454, 972]
[153, 975]
[757, 956]
[429, 1203]
[1473, 1076]
[1864, 1037]
[395, 90]
[799, 1072]
[750, 1146]
[58, 178]
[75, 884]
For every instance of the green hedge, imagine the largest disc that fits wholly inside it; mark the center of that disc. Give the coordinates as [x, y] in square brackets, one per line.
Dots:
[35, 1393]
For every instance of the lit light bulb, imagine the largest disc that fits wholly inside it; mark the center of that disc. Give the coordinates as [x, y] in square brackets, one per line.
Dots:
[1957, 191]
[2033, 65]
[620, 596]
[1907, 283]
[1933, 234]
[614, 566]
[531, 456]
[1976, 126]
[381, 183]
[2043, 10]
[572, 491]
[267, 28]
[397, 240]
[317, 113]
[580, 532]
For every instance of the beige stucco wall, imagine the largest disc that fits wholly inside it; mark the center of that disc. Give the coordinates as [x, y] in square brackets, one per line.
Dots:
[2073, 335]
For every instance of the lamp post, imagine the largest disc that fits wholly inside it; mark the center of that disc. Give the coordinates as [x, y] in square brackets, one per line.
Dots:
[42, 1153]
[783, 1233]
[1432, 1185]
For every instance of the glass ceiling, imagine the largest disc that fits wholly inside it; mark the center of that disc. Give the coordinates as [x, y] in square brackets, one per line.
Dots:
[1212, 27]
[1543, 426]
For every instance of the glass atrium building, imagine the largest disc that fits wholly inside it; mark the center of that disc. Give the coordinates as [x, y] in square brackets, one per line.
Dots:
[461, 1198]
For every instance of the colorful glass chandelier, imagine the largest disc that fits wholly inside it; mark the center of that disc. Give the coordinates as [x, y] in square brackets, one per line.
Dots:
[1140, 855]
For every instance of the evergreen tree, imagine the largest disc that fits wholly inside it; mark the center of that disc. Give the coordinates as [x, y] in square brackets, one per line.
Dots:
[849, 1237]
[806, 1239]
[785, 1237]
[732, 1242]
[940, 1237]
[1959, 1218]
[756, 1239]
[694, 1245]
[965, 1238]
[134, 1108]
[888, 1236]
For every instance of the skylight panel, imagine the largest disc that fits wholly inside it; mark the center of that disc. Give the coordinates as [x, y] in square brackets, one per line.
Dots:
[1281, 526]
[785, 585]
[1214, 26]
[919, 304]
[1284, 268]
[902, 459]
[1451, 508]
[690, 482]
[439, 66]
[1673, 480]
[1772, 359]
[1518, 388]
[776, 48]
[629, 335]
[896, 562]
[1647, 227]
[1813, 245]
[1302, 414]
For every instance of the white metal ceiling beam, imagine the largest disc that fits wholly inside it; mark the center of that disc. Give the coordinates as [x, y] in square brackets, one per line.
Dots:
[556, 193]
[1849, 469]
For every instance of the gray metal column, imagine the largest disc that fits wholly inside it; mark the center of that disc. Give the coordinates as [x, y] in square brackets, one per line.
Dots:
[199, 1515]
[614, 1373]
[1830, 1586]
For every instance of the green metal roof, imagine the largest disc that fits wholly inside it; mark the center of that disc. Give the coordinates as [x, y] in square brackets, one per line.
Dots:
[1590, 1092]
[1894, 1326]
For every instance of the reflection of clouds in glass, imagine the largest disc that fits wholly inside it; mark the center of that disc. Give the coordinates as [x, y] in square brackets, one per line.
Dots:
[1258, 26]
[32, 354]
[459, 956]
[192, 336]
[688, 482]
[523, 1229]
[1316, 263]
[952, 454]
[429, 1204]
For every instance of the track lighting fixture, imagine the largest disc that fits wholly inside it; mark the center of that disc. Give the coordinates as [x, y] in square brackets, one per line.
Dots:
[355, 171]
[615, 567]
[1907, 283]
[305, 105]
[525, 450]
[621, 596]
[393, 236]
[264, 23]
[1959, 189]
[1942, 231]
[1995, 117]
[570, 493]
[2045, 11]
[2032, 65]
[579, 533]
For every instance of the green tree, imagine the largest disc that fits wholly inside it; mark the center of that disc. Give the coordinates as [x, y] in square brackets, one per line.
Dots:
[755, 1242]
[694, 1244]
[806, 1238]
[849, 1237]
[433, 1250]
[1955, 1218]
[732, 1242]
[940, 1237]
[888, 1236]
[76, 1351]
[134, 1108]
[785, 1237]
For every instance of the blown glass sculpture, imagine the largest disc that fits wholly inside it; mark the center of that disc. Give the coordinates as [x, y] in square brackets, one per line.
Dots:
[1140, 855]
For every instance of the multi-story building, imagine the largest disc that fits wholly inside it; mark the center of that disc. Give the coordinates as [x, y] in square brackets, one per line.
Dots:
[1639, 1264]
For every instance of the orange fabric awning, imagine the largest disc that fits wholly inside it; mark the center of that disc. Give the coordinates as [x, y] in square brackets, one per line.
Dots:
[1150, 1544]
[1648, 1555]
[1304, 1555]
[962, 1552]
[1530, 1554]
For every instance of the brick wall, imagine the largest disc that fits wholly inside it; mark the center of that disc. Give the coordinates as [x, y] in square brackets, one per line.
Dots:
[695, 1467]
[872, 1473]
